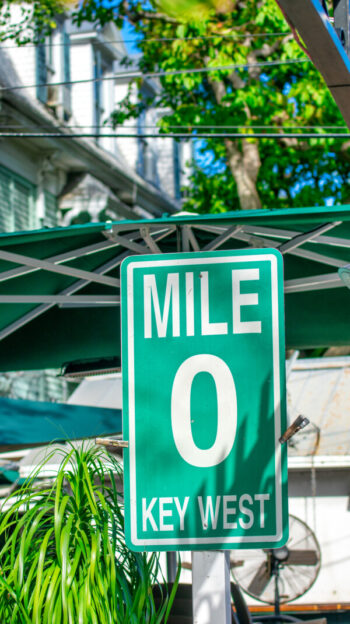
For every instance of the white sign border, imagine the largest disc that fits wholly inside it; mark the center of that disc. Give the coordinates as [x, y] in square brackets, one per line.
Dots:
[205, 541]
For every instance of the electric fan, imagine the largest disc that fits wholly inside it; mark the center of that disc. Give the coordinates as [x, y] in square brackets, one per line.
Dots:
[283, 574]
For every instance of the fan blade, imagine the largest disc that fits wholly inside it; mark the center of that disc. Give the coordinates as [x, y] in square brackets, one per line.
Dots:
[260, 580]
[302, 557]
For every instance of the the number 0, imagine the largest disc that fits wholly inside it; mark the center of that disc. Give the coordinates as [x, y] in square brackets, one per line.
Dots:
[226, 410]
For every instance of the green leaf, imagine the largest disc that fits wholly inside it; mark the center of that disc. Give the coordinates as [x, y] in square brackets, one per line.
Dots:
[65, 560]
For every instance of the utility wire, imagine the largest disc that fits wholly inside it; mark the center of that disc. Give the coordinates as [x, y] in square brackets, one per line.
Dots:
[175, 72]
[151, 40]
[177, 127]
[221, 135]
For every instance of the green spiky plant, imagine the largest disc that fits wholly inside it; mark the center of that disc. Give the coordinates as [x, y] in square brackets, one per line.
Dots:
[63, 559]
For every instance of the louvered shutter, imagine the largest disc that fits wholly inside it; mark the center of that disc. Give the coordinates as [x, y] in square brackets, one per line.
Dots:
[41, 73]
[51, 210]
[6, 220]
[22, 206]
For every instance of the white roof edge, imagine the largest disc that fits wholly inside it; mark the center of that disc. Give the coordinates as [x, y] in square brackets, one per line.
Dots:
[322, 362]
[319, 461]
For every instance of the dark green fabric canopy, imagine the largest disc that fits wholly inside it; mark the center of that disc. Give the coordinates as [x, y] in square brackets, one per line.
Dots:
[59, 288]
[23, 423]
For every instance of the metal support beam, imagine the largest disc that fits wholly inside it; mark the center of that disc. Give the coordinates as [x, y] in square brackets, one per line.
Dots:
[104, 268]
[316, 257]
[298, 240]
[38, 311]
[324, 47]
[126, 242]
[220, 240]
[64, 257]
[259, 242]
[192, 239]
[316, 282]
[58, 268]
[185, 238]
[150, 242]
[129, 240]
[281, 233]
[56, 299]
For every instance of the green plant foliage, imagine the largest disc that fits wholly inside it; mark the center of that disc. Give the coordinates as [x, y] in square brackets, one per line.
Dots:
[63, 559]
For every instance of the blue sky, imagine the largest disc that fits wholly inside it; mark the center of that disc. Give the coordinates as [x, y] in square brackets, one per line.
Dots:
[130, 37]
[128, 31]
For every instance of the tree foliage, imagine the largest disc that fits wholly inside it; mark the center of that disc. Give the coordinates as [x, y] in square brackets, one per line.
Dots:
[231, 172]
[246, 173]
[26, 22]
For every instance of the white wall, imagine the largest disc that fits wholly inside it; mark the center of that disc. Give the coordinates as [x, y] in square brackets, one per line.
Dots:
[82, 93]
[107, 97]
[166, 165]
[19, 159]
[23, 58]
[329, 517]
[127, 148]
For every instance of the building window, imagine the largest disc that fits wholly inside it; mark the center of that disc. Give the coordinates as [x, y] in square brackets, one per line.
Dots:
[17, 202]
[53, 66]
[146, 156]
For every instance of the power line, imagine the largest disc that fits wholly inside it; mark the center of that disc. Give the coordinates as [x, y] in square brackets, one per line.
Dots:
[152, 40]
[221, 135]
[159, 74]
[213, 126]
[191, 127]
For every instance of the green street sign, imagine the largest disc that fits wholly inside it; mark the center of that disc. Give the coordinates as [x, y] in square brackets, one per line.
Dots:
[204, 400]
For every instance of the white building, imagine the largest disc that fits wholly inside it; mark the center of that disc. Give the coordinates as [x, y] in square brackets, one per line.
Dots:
[66, 87]
[138, 179]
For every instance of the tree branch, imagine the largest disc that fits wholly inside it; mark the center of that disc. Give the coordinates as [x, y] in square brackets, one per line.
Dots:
[138, 16]
[245, 165]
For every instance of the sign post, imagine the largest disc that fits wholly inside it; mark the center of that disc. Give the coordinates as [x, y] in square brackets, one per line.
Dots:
[204, 401]
[211, 596]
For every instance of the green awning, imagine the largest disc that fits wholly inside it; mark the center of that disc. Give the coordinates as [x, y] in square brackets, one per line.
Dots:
[59, 287]
[23, 423]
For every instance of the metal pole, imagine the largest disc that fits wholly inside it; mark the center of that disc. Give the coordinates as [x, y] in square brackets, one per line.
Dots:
[277, 591]
[171, 566]
[211, 595]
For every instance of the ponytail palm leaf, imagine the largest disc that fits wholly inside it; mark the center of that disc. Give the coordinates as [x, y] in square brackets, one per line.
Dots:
[63, 559]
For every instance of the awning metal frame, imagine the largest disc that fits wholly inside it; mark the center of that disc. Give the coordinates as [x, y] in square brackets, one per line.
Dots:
[66, 298]
[62, 269]
[317, 282]
[70, 255]
[299, 239]
[145, 239]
